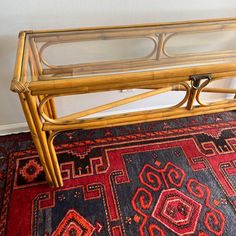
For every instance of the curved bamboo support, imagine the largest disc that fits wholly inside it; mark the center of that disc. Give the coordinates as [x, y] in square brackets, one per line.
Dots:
[139, 117]
[195, 85]
[203, 88]
[169, 36]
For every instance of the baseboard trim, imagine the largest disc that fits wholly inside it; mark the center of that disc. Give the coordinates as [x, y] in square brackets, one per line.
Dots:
[13, 128]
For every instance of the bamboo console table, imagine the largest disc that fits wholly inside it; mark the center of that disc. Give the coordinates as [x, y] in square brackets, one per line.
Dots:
[155, 58]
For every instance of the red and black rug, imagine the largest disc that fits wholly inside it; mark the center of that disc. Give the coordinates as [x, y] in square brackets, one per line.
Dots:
[174, 177]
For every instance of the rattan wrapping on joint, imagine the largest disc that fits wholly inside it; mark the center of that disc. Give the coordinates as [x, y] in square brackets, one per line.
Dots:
[19, 87]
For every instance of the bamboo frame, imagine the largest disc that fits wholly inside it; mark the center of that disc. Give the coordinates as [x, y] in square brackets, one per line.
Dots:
[159, 71]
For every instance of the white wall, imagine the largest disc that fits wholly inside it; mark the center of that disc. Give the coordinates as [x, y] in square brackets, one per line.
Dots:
[18, 15]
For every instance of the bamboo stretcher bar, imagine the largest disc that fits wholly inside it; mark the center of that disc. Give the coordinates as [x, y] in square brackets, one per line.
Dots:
[208, 90]
[149, 84]
[135, 85]
[167, 116]
[205, 90]
[142, 116]
[108, 87]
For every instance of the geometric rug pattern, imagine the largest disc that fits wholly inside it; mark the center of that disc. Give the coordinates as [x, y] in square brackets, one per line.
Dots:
[175, 177]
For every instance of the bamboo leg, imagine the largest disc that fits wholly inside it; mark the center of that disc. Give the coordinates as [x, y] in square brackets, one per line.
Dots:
[42, 136]
[49, 108]
[35, 137]
[54, 158]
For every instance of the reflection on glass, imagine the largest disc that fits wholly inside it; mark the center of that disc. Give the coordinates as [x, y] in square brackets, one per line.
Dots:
[98, 51]
[200, 42]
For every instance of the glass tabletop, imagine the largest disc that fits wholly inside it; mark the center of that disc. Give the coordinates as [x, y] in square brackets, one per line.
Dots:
[75, 53]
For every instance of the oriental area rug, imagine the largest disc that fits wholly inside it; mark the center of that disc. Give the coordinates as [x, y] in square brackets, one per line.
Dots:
[175, 177]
